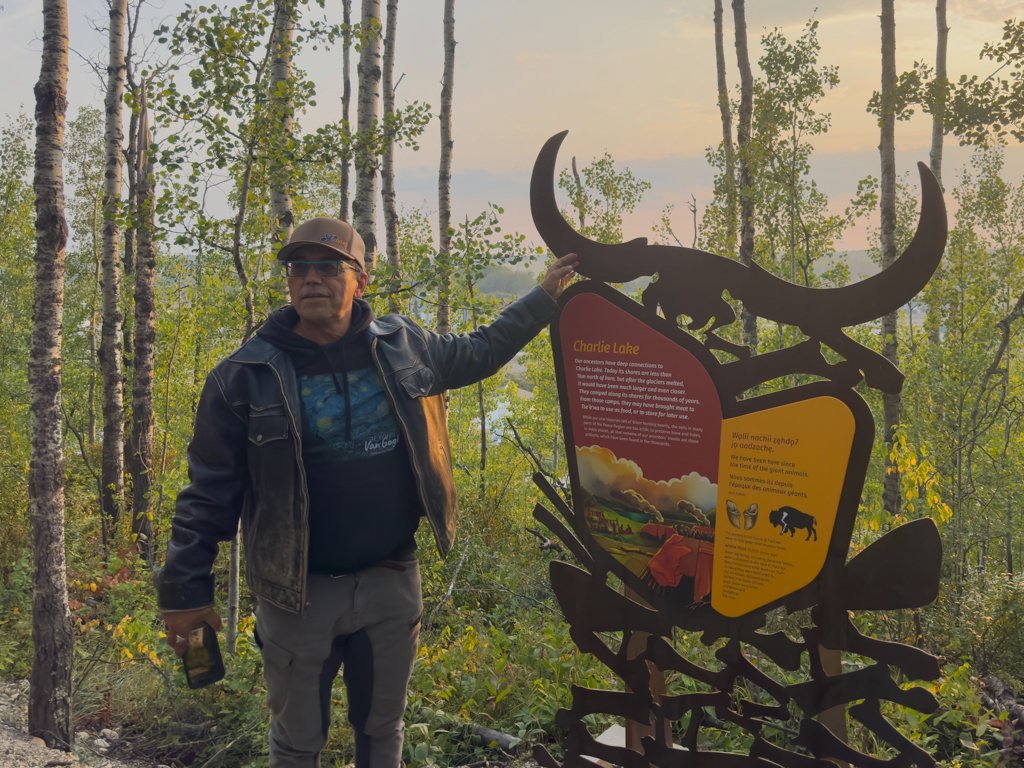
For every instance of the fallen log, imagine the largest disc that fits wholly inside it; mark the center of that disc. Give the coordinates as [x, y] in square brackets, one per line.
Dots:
[493, 738]
[1000, 699]
[546, 544]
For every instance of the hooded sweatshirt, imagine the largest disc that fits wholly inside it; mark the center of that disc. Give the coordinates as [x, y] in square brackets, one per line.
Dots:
[363, 502]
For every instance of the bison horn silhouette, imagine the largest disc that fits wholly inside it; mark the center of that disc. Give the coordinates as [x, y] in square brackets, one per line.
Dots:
[691, 282]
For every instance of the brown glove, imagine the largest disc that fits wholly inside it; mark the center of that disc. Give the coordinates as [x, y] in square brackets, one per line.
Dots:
[178, 624]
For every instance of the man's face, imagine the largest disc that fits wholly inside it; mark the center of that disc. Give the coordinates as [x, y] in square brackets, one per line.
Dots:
[320, 299]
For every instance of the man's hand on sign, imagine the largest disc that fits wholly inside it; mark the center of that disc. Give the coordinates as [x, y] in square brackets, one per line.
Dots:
[559, 275]
[178, 624]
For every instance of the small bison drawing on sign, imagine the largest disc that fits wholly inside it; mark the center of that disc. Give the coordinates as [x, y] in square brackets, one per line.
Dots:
[789, 519]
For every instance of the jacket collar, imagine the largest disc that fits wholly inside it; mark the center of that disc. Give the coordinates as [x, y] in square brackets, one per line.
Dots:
[257, 350]
[384, 326]
[260, 351]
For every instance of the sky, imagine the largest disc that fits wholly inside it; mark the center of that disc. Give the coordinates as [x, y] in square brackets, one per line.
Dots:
[636, 80]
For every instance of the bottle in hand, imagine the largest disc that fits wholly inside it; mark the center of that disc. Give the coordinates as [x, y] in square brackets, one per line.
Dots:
[203, 662]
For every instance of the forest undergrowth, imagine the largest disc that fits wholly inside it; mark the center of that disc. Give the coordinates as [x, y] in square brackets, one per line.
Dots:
[494, 652]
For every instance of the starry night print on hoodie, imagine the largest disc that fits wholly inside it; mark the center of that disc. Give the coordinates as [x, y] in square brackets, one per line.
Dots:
[363, 502]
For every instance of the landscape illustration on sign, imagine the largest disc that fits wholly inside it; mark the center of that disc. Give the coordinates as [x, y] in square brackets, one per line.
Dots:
[663, 532]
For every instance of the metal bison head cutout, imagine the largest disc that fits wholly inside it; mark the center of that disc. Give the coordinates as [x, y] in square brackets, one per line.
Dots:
[714, 506]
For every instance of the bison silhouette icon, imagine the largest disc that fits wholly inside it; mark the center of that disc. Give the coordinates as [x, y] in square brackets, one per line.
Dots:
[789, 519]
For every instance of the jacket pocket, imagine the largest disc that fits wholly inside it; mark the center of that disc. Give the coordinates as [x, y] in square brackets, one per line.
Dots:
[418, 383]
[268, 425]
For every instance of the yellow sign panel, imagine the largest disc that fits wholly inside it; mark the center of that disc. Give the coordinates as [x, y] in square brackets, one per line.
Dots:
[780, 475]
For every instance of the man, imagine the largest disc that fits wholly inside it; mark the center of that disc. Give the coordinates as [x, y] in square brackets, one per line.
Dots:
[327, 435]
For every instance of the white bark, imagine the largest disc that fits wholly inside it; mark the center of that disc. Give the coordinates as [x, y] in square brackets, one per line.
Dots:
[234, 588]
[49, 710]
[346, 101]
[145, 345]
[743, 135]
[725, 108]
[110, 338]
[887, 206]
[281, 169]
[444, 176]
[364, 204]
[388, 168]
[938, 120]
[280, 74]
[935, 156]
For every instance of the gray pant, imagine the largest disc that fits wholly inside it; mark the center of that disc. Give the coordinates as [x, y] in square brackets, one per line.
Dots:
[370, 623]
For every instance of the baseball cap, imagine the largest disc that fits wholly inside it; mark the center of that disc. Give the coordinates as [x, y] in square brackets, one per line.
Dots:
[335, 234]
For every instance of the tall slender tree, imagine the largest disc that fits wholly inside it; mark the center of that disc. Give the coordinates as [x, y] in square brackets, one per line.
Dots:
[364, 204]
[887, 205]
[346, 102]
[387, 174]
[938, 109]
[49, 708]
[935, 156]
[280, 90]
[726, 111]
[83, 156]
[444, 176]
[141, 444]
[131, 166]
[112, 473]
[743, 136]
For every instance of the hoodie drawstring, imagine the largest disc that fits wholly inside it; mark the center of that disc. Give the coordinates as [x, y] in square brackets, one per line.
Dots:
[342, 389]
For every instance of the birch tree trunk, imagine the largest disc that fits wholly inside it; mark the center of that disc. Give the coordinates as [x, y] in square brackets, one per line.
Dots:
[145, 346]
[887, 205]
[580, 202]
[444, 176]
[234, 587]
[935, 156]
[479, 391]
[938, 115]
[346, 101]
[236, 242]
[364, 204]
[131, 161]
[112, 473]
[128, 252]
[49, 707]
[280, 168]
[94, 326]
[388, 168]
[726, 111]
[743, 135]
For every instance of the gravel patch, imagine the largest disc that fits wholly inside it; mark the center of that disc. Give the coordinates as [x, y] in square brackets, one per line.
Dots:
[19, 750]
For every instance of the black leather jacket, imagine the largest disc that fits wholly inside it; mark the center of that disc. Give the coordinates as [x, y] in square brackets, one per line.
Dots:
[245, 458]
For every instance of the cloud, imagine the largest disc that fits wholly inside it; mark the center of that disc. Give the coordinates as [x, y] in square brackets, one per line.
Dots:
[637, 501]
[603, 474]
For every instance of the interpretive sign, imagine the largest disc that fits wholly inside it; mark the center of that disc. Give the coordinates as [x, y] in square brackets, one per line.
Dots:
[701, 506]
[782, 471]
[716, 498]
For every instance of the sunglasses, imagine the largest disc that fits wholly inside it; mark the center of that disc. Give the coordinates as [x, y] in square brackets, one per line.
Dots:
[323, 268]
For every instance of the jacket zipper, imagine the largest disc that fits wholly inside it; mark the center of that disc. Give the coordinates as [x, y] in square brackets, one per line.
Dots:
[302, 475]
[412, 452]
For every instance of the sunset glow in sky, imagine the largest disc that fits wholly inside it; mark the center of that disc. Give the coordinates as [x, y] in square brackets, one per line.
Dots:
[634, 79]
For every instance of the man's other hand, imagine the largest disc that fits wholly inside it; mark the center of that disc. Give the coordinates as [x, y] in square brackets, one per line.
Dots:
[178, 624]
[559, 275]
